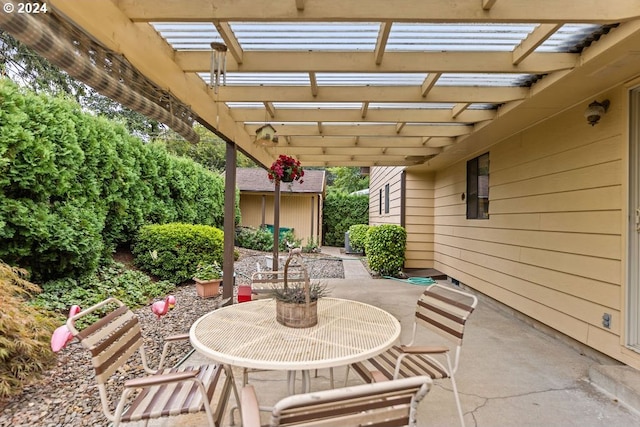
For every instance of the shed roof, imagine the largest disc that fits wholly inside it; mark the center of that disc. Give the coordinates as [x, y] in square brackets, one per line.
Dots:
[255, 180]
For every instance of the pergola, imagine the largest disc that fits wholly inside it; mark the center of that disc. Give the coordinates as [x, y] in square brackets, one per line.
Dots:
[416, 83]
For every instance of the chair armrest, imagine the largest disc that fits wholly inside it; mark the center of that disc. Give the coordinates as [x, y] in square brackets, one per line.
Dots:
[161, 379]
[249, 407]
[417, 349]
[177, 337]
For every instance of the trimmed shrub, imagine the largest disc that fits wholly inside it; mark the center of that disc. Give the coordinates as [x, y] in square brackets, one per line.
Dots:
[173, 251]
[340, 212]
[25, 332]
[259, 239]
[358, 237]
[385, 248]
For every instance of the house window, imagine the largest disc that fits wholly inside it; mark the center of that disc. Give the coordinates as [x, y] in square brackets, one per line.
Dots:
[380, 203]
[386, 198]
[478, 187]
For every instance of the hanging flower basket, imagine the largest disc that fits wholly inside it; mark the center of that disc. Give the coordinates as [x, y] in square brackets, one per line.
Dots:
[285, 169]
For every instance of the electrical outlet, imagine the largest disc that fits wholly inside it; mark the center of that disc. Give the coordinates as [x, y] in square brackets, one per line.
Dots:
[606, 320]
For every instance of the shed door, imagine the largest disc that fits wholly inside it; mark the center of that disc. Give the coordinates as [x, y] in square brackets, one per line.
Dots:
[633, 285]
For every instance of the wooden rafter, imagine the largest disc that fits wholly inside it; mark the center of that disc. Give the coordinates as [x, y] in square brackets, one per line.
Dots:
[270, 109]
[459, 108]
[381, 44]
[429, 83]
[533, 40]
[230, 40]
[314, 84]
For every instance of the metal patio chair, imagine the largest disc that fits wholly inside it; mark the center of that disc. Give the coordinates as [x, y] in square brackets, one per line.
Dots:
[387, 403]
[113, 339]
[443, 310]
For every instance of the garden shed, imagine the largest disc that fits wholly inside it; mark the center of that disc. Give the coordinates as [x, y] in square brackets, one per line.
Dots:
[300, 203]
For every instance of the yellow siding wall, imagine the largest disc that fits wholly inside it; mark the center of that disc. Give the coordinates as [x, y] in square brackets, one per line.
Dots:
[553, 245]
[418, 214]
[419, 220]
[378, 178]
[296, 212]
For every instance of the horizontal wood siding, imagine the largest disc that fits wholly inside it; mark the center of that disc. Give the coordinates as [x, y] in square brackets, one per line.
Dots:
[419, 219]
[295, 212]
[378, 178]
[552, 247]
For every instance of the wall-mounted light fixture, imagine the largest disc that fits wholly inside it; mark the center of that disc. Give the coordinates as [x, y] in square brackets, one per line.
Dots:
[595, 110]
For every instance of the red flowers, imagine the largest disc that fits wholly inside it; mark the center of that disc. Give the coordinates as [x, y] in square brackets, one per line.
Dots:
[285, 169]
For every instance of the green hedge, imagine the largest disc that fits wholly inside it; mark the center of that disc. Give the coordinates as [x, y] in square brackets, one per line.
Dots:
[340, 212]
[358, 237]
[385, 248]
[73, 186]
[173, 251]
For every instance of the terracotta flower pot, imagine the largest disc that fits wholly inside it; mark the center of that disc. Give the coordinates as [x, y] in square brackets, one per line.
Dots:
[208, 288]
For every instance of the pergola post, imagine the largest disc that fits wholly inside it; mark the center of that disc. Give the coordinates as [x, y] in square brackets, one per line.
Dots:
[276, 224]
[229, 220]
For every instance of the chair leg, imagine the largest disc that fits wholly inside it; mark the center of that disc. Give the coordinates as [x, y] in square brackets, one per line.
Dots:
[346, 375]
[455, 395]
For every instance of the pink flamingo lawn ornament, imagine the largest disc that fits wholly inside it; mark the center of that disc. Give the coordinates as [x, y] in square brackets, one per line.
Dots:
[62, 336]
[160, 308]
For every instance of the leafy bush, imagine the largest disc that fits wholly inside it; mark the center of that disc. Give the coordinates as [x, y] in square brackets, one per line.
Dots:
[259, 239]
[385, 248]
[358, 237]
[133, 288]
[25, 332]
[288, 239]
[173, 251]
[341, 211]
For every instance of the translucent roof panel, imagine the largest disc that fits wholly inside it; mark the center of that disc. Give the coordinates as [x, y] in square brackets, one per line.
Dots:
[568, 37]
[306, 36]
[186, 36]
[267, 79]
[456, 37]
[483, 79]
[370, 79]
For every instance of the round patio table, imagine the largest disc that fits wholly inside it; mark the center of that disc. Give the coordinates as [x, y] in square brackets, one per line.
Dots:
[248, 335]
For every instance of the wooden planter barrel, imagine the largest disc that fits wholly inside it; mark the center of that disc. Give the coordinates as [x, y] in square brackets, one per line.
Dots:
[297, 315]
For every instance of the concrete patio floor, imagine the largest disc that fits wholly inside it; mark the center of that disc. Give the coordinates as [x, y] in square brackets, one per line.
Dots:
[510, 372]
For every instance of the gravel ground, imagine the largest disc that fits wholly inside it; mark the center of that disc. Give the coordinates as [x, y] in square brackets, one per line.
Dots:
[67, 395]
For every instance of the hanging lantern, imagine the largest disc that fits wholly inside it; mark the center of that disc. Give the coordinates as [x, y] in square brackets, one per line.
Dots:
[218, 66]
[266, 135]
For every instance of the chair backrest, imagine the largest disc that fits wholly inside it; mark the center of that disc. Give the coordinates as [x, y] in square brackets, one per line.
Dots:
[387, 403]
[110, 340]
[445, 311]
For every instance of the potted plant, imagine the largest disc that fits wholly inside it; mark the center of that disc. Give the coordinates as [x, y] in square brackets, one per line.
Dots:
[293, 309]
[285, 169]
[208, 278]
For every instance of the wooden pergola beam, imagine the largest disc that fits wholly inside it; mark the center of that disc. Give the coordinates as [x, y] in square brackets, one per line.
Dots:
[392, 115]
[370, 130]
[489, 94]
[406, 62]
[466, 11]
[429, 83]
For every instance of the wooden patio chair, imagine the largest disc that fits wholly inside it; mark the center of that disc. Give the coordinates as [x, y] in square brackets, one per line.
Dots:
[388, 403]
[440, 309]
[113, 339]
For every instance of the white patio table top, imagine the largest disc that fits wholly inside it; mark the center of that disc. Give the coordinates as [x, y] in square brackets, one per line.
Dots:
[249, 336]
